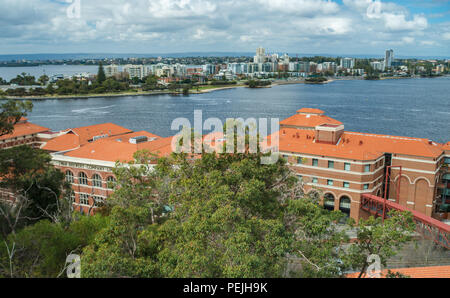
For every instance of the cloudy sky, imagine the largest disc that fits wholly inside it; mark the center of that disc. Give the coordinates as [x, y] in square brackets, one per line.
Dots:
[410, 27]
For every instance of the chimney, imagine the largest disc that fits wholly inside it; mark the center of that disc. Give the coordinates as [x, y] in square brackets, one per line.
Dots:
[329, 133]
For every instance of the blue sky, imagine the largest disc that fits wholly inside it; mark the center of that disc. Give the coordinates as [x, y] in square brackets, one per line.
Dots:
[411, 28]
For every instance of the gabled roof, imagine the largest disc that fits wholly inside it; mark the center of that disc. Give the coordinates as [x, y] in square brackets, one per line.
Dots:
[119, 148]
[76, 137]
[311, 120]
[357, 146]
[297, 135]
[310, 111]
[24, 128]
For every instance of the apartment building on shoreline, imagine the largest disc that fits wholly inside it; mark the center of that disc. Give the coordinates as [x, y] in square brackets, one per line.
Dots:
[337, 165]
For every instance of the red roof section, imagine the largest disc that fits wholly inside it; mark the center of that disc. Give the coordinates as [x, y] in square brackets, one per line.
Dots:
[357, 146]
[76, 137]
[24, 128]
[119, 148]
[310, 111]
[308, 120]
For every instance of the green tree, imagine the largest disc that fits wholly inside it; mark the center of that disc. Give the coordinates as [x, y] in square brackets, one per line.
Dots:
[375, 237]
[37, 186]
[43, 80]
[41, 250]
[11, 112]
[101, 77]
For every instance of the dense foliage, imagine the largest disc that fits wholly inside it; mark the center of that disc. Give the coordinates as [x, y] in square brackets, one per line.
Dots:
[221, 215]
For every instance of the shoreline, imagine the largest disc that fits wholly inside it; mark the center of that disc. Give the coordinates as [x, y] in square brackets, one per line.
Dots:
[193, 91]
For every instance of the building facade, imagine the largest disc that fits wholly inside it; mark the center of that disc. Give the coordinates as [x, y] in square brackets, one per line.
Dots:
[340, 166]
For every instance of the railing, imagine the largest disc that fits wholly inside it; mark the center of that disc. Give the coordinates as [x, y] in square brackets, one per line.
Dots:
[428, 227]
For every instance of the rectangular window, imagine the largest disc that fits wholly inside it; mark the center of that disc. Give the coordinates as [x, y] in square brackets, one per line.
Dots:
[367, 168]
[315, 162]
[347, 166]
[84, 199]
[315, 180]
[346, 184]
[330, 182]
[331, 164]
[300, 177]
[366, 186]
[98, 201]
[299, 160]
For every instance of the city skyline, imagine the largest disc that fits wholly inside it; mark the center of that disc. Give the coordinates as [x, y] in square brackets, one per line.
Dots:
[344, 27]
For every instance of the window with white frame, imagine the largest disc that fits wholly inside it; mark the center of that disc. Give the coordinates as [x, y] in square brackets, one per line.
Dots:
[82, 178]
[69, 176]
[96, 180]
[111, 182]
[84, 199]
[98, 201]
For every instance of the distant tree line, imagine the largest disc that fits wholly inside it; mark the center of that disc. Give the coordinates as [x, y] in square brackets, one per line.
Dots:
[258, 83]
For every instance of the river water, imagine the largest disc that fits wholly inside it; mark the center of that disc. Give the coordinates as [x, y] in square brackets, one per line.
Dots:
[404, 107]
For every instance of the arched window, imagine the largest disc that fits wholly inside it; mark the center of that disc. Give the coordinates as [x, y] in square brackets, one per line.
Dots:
[111, 182]
[69, 177]
[82, 178]
[328, 201]
[345, 204]
[96, 180]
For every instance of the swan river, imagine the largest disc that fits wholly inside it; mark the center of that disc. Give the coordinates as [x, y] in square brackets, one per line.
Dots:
[404, 107]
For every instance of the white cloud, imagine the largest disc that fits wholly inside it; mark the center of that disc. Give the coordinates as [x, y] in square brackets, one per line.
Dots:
[398, 22]
[301, 7]
[408, 39]
[308, 26]
[180, 8]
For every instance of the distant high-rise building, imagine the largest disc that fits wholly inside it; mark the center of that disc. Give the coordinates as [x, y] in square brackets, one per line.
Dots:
[377, 65]
[389, 58]
[285, 59]
[134, 71]
[348, 62]
[111, 70]
[260, 55]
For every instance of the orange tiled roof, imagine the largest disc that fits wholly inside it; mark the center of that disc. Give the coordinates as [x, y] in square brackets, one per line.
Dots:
[310, 120]
[76, 137]
[417, 272]
[119, 148]
[24, 128]
[358, 146]
[446, 146]
[310, 111]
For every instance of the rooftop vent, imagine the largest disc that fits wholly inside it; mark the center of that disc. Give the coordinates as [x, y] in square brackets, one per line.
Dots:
[99, 137]
[141, 139]
[138, 140]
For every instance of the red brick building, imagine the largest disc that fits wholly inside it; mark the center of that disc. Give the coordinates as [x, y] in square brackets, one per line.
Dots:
[344, 165]
[338, 165]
